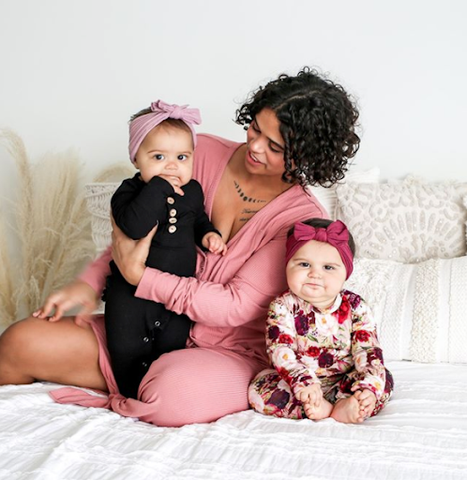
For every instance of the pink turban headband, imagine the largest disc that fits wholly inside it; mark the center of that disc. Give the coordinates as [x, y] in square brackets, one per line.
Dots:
[161, 111]
[336, 234]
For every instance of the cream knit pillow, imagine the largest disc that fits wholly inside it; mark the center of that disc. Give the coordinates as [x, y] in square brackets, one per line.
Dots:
[328, 196]
[410, 221]
[98, 197]
[419, 308]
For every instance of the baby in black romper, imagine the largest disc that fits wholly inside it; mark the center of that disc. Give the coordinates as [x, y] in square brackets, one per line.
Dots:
[162, 193]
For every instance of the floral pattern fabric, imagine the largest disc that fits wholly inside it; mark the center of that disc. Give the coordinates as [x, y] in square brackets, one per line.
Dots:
[337, 349]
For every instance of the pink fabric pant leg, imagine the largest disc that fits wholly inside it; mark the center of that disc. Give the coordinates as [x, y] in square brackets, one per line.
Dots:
[194, 385]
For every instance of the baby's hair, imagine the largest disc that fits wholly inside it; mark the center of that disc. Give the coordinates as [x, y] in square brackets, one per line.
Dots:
[169, 122]
[324, 223]
[318, 121]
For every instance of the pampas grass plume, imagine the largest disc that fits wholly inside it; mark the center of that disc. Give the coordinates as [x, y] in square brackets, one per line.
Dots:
[53, 230]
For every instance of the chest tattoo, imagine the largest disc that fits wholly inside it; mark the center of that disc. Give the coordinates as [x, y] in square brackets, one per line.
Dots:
[246, 214]
[244, 197]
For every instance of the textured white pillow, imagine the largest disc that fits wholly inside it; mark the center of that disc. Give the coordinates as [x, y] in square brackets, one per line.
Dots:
[419, 308]
[328, 197]
[465, 205]
[409, 221]
[98, 197]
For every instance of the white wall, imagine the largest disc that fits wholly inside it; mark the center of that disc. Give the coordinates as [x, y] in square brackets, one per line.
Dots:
[72, 72]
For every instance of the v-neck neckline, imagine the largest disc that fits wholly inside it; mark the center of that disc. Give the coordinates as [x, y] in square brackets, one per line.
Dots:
[257, 216]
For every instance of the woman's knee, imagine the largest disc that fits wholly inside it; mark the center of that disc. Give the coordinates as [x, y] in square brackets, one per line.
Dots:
[194, 386]
[52, 351]
[14, 352]
[15, 337]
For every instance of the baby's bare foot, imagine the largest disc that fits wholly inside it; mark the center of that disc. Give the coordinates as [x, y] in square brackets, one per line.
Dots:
[318, 413]
[367, 401]
[348, 410]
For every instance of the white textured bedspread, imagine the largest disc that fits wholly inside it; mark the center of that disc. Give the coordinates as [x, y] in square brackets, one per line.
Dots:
[421, 435]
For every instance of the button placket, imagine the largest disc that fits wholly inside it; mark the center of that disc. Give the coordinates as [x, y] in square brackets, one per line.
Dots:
[172, 215]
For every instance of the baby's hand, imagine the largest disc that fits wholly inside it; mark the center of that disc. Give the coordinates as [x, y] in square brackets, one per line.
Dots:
[311, 395]
[214, 243]
[175, 182]
[366, 401]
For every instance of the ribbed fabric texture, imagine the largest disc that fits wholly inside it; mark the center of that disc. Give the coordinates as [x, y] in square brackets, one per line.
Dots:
[228, 301]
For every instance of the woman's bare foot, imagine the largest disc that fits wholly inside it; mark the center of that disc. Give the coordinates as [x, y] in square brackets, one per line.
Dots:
[318, 413]
[348, 410]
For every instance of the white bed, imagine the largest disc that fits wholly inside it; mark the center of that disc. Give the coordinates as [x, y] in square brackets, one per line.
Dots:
[422, 434]
[411, 268]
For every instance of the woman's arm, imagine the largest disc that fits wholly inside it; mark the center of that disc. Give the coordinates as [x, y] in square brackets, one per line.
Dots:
[96, 272]
[244, 298]
[84, 292]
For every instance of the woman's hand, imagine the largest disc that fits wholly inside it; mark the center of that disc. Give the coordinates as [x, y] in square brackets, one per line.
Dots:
[130, 255]
[75, 294]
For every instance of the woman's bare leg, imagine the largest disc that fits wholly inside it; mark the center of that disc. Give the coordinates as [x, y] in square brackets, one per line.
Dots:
[60, 352]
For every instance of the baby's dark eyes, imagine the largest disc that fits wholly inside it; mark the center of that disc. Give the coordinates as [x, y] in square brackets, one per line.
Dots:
[181, 157]
[308, 265]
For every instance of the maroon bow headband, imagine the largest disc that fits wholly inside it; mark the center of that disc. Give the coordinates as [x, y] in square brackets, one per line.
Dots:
[336, 234]
[160, 111]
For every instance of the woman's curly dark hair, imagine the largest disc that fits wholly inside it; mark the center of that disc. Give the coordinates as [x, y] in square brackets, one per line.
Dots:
[317, 123]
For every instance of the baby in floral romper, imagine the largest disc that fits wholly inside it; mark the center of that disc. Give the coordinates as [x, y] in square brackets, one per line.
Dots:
[321, 339]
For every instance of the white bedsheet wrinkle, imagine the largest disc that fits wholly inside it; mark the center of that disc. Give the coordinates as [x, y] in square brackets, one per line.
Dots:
[421, 434]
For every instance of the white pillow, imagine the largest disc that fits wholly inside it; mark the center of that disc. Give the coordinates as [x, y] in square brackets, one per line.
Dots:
[419, 308]
[465, 205]
[409, 221]
[328, 197]
[98, 197]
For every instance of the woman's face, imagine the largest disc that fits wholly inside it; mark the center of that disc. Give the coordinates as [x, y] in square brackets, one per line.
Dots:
[265, 145]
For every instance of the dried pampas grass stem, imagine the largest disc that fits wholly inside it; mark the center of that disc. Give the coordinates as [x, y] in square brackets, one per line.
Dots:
[53, 230]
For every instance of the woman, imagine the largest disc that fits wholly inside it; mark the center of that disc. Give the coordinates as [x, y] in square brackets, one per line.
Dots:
[300, 129]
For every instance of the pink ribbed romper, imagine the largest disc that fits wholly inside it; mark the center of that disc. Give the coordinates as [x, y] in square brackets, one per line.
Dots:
[228, 301]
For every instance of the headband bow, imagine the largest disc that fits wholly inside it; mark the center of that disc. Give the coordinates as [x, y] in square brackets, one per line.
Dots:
[336, 234]
[160, 111]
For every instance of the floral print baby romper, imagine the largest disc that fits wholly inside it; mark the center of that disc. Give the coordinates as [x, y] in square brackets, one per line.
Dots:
[337, 348]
